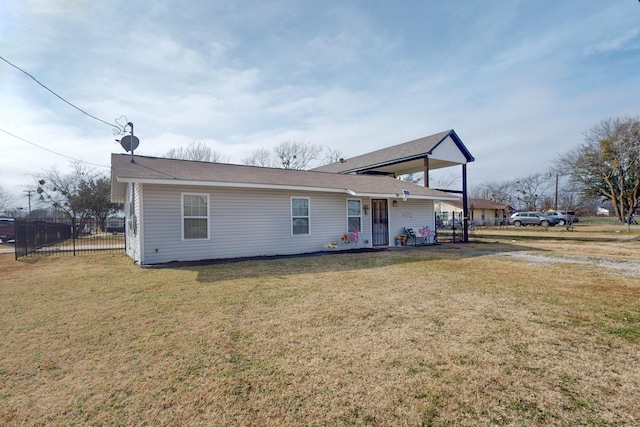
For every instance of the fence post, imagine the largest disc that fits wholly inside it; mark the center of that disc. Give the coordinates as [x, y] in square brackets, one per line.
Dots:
[453, 226]
[73, 234]
[15, 236]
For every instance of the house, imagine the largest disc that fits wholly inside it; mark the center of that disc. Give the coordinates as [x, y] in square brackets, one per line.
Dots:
[608, 209]
[179, 210]
[481, 211]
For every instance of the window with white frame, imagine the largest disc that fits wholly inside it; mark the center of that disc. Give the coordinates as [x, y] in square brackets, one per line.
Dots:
[354, 215]
[195, 216]
[300, 215]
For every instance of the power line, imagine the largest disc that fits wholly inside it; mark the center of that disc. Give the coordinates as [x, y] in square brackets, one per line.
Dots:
[61, 98]
[51, 151]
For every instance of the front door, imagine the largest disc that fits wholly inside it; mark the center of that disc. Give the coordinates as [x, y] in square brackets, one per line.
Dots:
[379, 222]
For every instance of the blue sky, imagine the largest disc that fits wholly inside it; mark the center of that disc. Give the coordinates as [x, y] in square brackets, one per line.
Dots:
[519, 81]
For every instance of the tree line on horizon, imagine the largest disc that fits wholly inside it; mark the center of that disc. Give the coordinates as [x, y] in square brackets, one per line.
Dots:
[605, 168]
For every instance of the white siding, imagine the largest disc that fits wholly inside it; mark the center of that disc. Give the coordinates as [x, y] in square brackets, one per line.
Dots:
[449, 151]
[491, 216]
[410, 214]
[242, 223]
[445, 207]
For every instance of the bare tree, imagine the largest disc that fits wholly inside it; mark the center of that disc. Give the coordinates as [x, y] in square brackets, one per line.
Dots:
[296, 155]
[45, 213]
[289, 155]
[196, 151]
[260, 157]
[527, 193]
[78, 195]
[332, 155]
[584, 206]
[500, 192]
[5, 199]
[532, 189]
[607, 164]
[446, 182]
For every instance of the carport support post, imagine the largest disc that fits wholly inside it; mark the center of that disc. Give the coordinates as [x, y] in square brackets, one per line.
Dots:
[465, 210]
[426, 171]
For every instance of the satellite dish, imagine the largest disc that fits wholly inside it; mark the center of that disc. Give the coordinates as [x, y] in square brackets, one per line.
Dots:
[129, 142]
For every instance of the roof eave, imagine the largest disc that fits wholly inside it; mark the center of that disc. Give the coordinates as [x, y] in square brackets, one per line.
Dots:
[235, 185]
[351, 192]
[412, 196]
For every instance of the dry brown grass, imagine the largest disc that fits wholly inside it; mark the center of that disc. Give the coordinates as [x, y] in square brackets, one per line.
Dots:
[443, 335]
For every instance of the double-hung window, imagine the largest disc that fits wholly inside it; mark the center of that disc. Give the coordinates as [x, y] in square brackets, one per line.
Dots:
[354, 215]
[300, 215]
[195, 216]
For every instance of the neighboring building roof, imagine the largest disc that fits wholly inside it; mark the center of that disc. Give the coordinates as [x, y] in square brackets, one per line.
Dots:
[165, 171]
[478, 204]
[412, 152]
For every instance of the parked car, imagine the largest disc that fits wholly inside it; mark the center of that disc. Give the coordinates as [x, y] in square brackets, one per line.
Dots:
[531, 218]
[115, 225]
[563, 217]
[7, 229]
[454, 223]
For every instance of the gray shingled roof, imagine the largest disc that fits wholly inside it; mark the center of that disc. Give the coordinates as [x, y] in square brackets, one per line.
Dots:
[395, 154]
[185, 172]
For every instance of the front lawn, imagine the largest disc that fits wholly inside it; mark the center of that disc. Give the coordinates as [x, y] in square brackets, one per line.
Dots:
[489, 333]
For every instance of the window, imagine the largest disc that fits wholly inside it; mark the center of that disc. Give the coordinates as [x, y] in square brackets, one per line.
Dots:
[195, 216]
[299, 215]
[354, 215]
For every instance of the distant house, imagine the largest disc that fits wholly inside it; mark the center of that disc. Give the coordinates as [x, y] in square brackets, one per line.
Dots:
[178, 210]
[481, 211]
[607, 210]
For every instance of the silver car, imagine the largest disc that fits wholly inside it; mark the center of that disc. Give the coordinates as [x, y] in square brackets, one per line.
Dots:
[563, 217]
[531, 218]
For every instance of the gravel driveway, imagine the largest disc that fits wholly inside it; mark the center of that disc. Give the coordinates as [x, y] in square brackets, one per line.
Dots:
[603, 264]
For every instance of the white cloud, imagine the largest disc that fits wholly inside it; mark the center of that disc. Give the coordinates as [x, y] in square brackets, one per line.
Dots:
[512, 79]
[630, 40]
[69, 9]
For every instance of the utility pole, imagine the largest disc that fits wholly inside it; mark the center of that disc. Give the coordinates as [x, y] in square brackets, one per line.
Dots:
[556, 204]
[29, 194]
